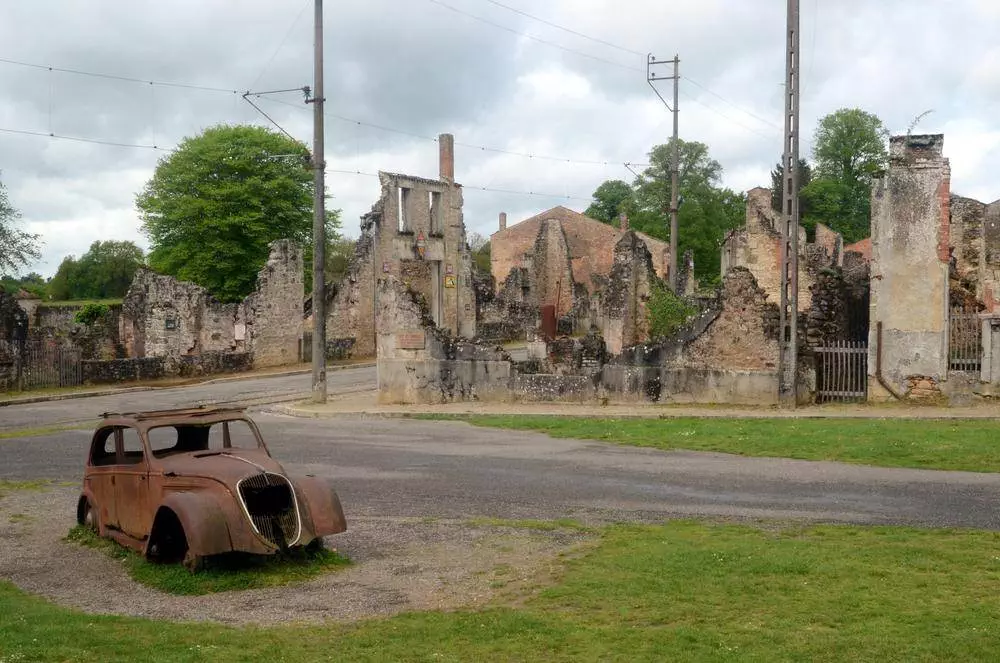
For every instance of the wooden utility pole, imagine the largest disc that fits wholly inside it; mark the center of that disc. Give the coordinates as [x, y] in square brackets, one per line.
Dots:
[789, 314]
[675, 166]
[319, 219]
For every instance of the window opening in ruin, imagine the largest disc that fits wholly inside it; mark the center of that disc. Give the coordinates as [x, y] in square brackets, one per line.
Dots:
[403, 220]
[434, 203]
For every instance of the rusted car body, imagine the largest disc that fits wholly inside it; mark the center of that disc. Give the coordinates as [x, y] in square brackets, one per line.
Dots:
[181, 485]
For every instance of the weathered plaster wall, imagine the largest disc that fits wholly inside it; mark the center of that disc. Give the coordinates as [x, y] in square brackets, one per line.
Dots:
[415, 233]
[910, 256]
[621, 315]
[272, 314]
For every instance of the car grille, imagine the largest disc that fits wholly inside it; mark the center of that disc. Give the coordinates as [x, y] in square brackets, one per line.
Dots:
[270, 503]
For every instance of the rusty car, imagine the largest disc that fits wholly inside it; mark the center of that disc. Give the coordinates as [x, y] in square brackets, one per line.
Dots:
[182, 485]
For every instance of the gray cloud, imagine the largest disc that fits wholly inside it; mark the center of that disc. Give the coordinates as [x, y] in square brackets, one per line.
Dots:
[418, 67]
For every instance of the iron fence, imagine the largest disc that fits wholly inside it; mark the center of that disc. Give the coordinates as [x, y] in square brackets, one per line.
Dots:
[842, 372]
[965, 349]
[40, 365]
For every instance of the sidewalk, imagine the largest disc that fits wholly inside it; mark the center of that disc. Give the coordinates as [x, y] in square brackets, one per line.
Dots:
[364, 404]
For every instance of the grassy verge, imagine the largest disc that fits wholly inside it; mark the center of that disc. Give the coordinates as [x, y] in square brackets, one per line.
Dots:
[227, 573]
[943, 444]
[44, 430]
[80, 303]
[682, 591]
[34, 484]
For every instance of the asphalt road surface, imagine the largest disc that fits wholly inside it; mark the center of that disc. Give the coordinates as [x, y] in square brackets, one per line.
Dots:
[54, 413]
[409, 468]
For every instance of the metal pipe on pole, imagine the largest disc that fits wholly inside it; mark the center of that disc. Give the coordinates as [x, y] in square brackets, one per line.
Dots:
[319, 219]
[674, 184]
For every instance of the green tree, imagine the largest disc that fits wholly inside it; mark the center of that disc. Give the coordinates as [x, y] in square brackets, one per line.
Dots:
[479, 245]
[17, 248]
[778, 186]
[849, 152]
[707, 210]
[214, 205]
[105, 271]
[611, 199]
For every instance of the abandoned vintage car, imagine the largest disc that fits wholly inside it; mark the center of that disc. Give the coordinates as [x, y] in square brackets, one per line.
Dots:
[181, 485]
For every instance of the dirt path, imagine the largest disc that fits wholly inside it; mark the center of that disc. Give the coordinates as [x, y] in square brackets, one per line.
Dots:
[399, 565]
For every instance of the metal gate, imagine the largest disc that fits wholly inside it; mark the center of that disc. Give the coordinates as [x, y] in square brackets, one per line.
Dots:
[965, 351]
[40, 365]
[842, 372]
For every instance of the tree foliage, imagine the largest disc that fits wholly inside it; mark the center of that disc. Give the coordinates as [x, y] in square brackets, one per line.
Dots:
[707, 210]
[849, 152]
[33, 282]
[666, 312]
[479, 245]
[778, 186]
[17, 248]
[213, 206]
[105, 271]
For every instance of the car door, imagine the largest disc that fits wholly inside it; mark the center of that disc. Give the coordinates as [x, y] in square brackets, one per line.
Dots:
[132, 502]
[100, 476]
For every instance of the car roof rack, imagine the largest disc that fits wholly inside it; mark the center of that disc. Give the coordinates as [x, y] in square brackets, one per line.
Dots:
[199, 411]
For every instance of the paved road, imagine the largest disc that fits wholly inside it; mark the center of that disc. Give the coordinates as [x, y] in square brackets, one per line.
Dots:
[36, 415]
[391, 467]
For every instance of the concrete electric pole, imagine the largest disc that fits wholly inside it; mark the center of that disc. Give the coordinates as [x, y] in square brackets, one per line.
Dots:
[319, 219]
[651, 77]
[789, 314]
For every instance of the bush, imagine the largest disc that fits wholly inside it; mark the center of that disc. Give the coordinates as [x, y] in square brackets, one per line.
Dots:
[666, 311]
[91, 313]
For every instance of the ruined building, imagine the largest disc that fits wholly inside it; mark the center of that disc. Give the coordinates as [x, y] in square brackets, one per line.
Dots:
[413, 235]
[164, 317]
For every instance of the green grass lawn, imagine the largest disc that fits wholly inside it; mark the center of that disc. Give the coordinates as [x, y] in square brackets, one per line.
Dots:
[221, 574]
[943, 444]
[684, 591]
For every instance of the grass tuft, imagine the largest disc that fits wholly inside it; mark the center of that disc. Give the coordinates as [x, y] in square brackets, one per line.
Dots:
[225, 573]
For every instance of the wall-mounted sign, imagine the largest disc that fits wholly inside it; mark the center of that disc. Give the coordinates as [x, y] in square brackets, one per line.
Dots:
[413, 340]
[385, 268]
[449, 270]
[421, 244]
[170, 323]
[449, 281]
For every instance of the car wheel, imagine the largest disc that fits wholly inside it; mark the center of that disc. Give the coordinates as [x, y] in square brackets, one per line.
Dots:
[315, 546]
[194, 563]
[89, 518]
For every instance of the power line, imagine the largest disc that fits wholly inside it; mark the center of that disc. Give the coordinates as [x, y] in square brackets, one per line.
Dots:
[734, 105]
[281, 44]
[532, 37]
[84, 140]
[114, 77]
[565, 29]
[727, 117]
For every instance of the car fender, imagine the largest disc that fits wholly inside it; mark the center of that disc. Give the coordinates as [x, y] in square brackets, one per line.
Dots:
[320, 501]
[206, 527]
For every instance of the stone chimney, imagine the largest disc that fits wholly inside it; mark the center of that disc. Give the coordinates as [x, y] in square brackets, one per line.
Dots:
[503, 220]
[446, 145]
[623, 222]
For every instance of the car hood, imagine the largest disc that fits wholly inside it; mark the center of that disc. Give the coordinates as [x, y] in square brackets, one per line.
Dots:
[227, 467]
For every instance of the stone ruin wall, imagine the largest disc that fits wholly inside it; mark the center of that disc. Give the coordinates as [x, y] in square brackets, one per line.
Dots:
[165, 317]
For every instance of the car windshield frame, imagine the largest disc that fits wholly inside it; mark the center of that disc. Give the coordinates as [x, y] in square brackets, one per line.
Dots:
[193, 445]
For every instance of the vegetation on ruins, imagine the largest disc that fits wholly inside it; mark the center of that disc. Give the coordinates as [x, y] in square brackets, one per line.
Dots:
[105, 271]
[17, 247]
[214, 205]
[707, 210]
[479, 245]
[91, 312]
[666, 311]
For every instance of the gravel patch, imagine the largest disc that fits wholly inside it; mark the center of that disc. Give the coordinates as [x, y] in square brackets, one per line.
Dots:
[400, 564]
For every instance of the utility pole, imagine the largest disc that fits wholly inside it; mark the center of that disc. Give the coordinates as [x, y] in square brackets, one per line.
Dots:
[675, 166]
[319, 219]
[789, 315]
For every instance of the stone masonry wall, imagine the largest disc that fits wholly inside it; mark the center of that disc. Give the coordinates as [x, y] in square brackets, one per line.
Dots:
[273, 313]
[910, 256]
[622, 316]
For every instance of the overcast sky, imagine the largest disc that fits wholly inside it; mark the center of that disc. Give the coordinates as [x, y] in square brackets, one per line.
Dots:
[422, 67]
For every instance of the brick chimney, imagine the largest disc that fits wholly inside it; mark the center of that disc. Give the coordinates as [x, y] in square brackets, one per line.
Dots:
[503, 220]
[446, 144]
[623, 221]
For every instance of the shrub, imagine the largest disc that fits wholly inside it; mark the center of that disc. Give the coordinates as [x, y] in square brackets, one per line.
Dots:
[666, 311]
[91, 313]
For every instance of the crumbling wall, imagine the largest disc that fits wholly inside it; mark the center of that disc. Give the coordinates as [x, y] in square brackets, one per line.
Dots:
[621, 314]
[164, 317]
[552, 269]
[910, 260]
[272, 314]
[745, 333]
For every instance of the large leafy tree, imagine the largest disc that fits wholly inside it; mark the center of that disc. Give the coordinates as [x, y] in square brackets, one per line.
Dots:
[214, 205]
[611, 199]
[17, 248]
[104, 271]
[849, 152]
[778, 186]
[707, 210]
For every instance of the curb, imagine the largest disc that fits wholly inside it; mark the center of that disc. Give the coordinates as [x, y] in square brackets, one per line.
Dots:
[128, 390]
